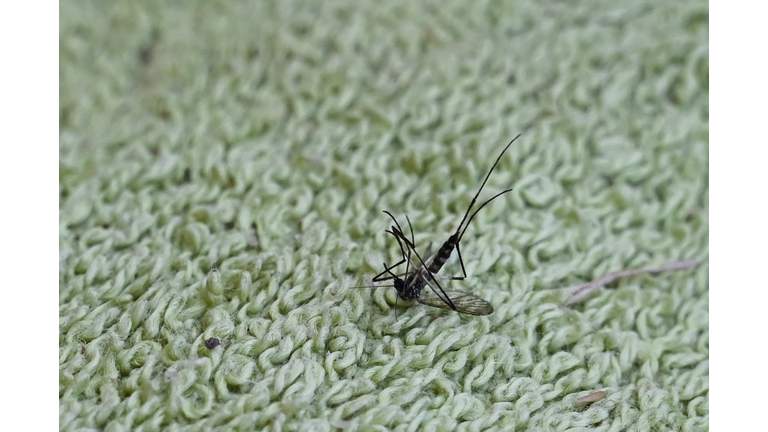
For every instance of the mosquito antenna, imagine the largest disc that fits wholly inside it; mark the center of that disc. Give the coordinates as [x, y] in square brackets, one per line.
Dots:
[474, 199]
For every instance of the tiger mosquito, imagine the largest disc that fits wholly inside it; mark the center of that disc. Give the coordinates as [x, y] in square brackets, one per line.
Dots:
[410, 284]
[411, 288]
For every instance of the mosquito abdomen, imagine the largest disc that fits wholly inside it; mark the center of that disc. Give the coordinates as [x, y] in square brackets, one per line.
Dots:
[442, 255]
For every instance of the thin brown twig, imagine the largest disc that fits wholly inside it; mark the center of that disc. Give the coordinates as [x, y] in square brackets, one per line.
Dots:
[579, 291]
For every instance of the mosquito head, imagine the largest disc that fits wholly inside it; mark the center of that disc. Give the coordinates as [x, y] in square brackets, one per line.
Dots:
[399, 284]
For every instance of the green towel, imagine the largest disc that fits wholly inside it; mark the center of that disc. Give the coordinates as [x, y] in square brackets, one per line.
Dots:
[224, 165]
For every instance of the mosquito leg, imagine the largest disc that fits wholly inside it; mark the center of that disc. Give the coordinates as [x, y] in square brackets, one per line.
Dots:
[394, 276]
[461, 261]
[399, 228]
[380, 277]
[444, 297]
[410, 227]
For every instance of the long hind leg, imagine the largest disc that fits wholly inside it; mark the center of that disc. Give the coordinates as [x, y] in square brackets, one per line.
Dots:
[461, 261]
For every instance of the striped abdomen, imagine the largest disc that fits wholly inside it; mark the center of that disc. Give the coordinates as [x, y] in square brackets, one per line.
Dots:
[443, 254]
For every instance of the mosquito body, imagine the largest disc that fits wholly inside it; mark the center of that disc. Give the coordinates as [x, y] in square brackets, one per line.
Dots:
[412, 287]
[412, 283]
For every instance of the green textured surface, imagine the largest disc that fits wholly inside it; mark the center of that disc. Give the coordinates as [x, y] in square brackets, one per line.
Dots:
[223, 167]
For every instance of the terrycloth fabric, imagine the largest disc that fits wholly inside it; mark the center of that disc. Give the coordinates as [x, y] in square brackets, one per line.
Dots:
[223, 170]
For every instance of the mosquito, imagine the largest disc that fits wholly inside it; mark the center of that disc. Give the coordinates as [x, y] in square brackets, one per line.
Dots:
[412, 286]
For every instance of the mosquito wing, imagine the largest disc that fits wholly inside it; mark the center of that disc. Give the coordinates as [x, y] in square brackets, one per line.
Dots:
[465, 302]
